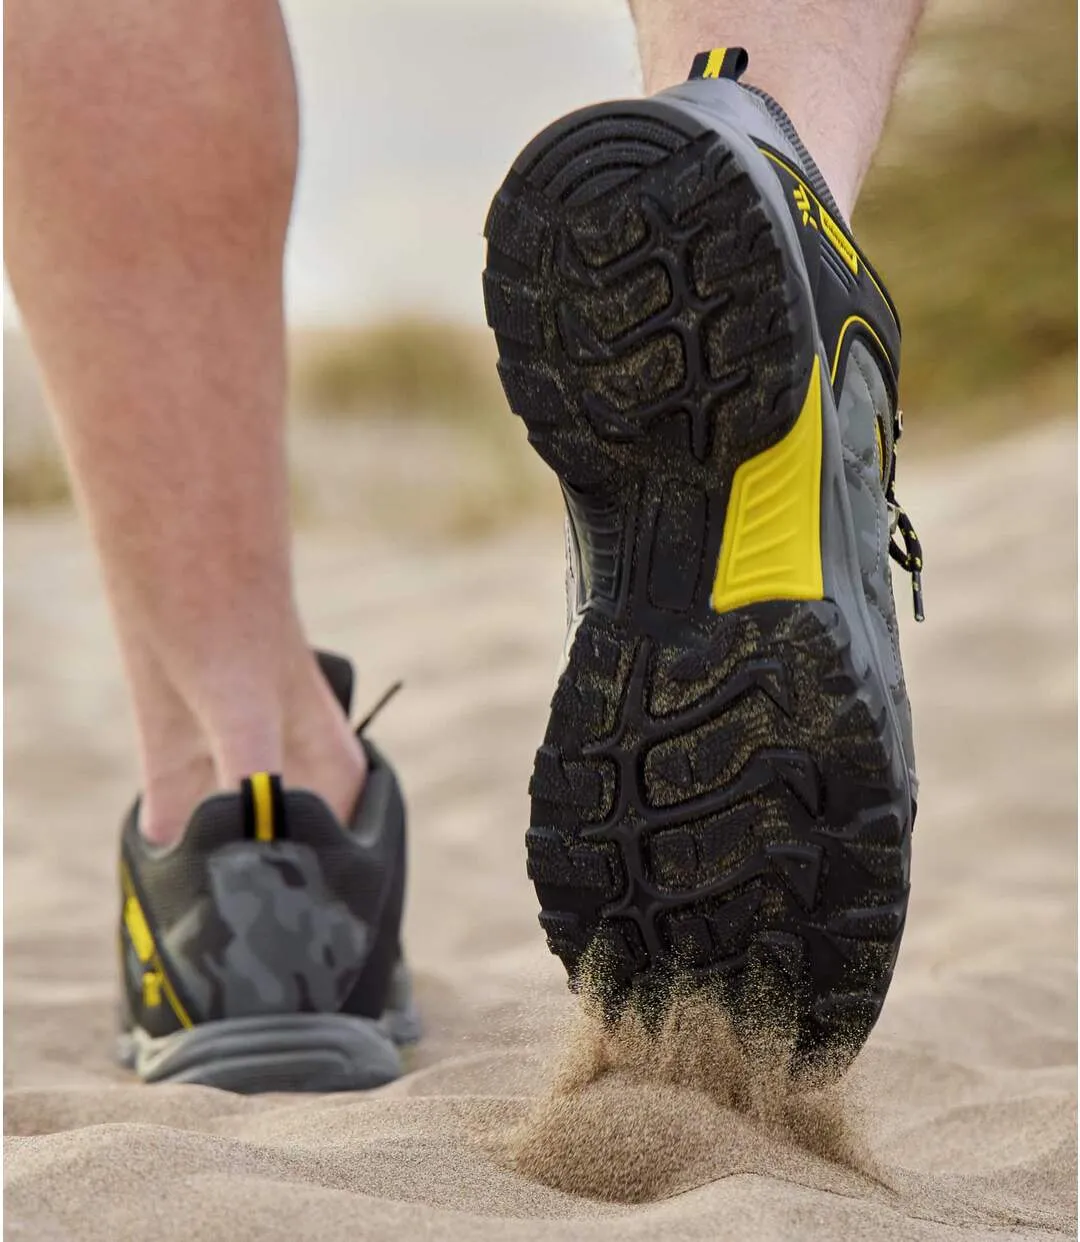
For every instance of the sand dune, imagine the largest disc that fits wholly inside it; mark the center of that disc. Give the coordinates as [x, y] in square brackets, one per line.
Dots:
[958, 1120]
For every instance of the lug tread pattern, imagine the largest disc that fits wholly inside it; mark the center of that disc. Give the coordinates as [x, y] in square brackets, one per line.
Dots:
[718, 795]
[755, 853]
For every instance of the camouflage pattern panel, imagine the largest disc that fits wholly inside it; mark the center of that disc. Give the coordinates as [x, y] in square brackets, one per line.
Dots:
[268, 938]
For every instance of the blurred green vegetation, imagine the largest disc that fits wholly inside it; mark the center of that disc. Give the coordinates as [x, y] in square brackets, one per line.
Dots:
[419, 391]
[36, 480]
[970, 210]
[409, 367]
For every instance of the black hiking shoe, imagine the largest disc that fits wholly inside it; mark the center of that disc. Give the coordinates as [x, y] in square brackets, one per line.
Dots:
[261, 952]
[698, 348]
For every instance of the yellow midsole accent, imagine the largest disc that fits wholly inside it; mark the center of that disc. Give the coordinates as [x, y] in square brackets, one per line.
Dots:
[264, 806]
[772, 532]
[146, 949]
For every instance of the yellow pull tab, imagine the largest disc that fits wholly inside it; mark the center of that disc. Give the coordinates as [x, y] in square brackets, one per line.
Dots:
[262, 804]
[720, 62]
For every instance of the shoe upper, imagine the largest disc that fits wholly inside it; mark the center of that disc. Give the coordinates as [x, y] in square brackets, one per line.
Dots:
[266, 905]
[860, 332]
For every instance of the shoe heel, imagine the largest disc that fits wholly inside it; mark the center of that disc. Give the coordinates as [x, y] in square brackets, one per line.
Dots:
[643, 301]
[293, 1052]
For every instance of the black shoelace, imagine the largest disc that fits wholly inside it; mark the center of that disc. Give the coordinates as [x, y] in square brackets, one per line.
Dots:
[909, 556]
[387, 696]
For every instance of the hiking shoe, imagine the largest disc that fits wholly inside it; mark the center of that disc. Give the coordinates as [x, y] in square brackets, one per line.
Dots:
[701, 352]
[261, 952]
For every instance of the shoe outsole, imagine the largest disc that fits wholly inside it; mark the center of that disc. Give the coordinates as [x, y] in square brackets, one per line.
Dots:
[718, 796]
[302, 1052]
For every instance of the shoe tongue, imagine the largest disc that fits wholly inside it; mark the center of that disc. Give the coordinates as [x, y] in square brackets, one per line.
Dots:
[720, 62]
[339, 673]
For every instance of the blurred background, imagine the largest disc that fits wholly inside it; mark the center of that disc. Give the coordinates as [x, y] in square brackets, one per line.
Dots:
[412, 111]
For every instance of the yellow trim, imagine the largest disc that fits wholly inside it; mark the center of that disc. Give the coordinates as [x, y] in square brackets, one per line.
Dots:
[155, 980]
[263, 800]
[851, 319]
[151, 989]
[780, 163]
[772, 531]
[803, 204]
[884, 298]
[715, 64]
[174, 1000]
[142, 939]
[839, 242]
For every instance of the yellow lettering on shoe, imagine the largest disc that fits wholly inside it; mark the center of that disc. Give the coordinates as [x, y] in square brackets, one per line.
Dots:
[772, 532]
[840, 243]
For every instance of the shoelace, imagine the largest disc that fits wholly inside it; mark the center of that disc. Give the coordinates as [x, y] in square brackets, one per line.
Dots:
[386, 697]
[910, 556]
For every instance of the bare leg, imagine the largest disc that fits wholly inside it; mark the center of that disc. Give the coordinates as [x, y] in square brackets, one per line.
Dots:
[831, 64]
[151, 155]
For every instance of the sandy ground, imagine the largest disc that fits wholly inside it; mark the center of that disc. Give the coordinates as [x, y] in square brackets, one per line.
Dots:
[961, 1109]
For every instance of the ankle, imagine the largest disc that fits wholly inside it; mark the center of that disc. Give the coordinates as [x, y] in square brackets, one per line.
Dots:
[299, 731]
[321, 752]
[171, 791]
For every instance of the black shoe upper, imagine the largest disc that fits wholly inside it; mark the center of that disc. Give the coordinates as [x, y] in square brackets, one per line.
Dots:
[266, 904]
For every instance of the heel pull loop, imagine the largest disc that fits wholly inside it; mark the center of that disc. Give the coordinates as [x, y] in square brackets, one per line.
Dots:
[720, 62]
[263, 806]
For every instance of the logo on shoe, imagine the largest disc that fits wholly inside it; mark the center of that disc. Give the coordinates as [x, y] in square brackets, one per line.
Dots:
[832, 232]
[802, 201]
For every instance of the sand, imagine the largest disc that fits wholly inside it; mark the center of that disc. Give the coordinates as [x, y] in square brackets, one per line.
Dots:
[957, 1121]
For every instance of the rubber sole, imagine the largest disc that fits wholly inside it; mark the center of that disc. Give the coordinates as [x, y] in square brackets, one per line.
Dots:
[718, 797]
[281, 1052]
